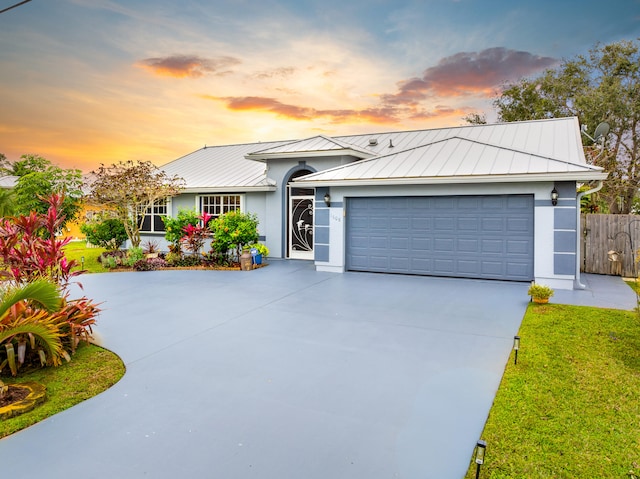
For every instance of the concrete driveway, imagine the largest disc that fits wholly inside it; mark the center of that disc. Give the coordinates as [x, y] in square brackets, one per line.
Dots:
[283, 372]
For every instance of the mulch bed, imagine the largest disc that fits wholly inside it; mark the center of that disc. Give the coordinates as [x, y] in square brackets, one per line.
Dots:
[13, 395]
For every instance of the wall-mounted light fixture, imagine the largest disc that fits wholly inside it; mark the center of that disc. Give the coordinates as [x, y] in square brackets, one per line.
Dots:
[481, 448]
[554, 196]
[516, 347]
[327, 199]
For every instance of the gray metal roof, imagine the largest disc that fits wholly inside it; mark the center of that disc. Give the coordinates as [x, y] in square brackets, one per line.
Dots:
[8, 181]
[454, 159]
[516, 151]
[222, 168]
[316, 146]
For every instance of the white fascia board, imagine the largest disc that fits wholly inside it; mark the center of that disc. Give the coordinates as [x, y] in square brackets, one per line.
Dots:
[307, 154]
[574, 176]
[227, 189]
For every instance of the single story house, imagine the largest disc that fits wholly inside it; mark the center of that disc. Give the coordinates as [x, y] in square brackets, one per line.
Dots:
[479, 201]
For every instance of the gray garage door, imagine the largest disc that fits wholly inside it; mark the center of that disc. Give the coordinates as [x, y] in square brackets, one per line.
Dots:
[463, 236]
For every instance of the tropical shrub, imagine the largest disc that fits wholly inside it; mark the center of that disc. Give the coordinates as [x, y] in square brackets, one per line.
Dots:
[194, 236]
[30, 250]
[233, 230]
[174, 227]
[150, 247]
[134, 254]
[108, 233]
[39, 326]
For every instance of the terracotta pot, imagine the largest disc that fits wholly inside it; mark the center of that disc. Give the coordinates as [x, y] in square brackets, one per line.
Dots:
[541, 300]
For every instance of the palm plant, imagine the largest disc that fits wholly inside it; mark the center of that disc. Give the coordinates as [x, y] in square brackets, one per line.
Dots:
[22, 324]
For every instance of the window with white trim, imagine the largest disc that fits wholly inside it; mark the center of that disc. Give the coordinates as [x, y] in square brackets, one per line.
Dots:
[217, 205]
[152, 222]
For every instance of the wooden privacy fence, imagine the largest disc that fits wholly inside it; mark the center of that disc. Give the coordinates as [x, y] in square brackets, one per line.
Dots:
[610, 244]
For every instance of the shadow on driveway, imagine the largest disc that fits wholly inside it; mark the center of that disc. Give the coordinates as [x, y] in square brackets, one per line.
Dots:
[284, 372]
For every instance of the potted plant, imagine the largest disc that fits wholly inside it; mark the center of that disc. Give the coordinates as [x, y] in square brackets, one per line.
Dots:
[540, 293]
[261, 251]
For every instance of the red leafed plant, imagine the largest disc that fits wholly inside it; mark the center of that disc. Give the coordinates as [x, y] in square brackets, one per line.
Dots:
[30, 250]
[195, 235]
[38, 323]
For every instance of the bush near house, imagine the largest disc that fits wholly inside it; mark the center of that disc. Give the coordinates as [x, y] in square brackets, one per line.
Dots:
[107, 233]
[233, 230]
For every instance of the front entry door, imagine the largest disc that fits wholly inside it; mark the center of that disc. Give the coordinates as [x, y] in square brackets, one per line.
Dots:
[300, 226]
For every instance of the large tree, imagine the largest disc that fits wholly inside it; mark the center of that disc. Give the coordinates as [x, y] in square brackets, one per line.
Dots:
[130, 189]
[601, 86]
[38, 179]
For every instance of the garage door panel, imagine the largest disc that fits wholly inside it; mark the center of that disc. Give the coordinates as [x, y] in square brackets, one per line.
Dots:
[466, 236]
[468, 245]
[421, 244]
[400, 223]
[441, 245]
[492, 225]
[418, 265]
[443, 266]
[492, 246]
[399, 243]
[468, 267]
[492, 268]
[515, 247]
[518, 225]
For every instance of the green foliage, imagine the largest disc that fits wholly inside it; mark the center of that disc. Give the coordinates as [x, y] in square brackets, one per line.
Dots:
[233, 230]
[7, 203]
[134, 254]
[108, 233]
[29, 249]
[540, 291]
[601, 86]
[261, 248]
[130, 189]
[38, 180]
[174, 226]
[569, 408]
[39, 326]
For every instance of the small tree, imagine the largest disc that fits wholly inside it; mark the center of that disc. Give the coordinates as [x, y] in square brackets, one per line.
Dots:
[131, 189]
[601, 86]
[38, 179]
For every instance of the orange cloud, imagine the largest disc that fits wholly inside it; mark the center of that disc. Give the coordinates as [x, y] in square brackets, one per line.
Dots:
[271, 105]
[464, 74]
[181, 66]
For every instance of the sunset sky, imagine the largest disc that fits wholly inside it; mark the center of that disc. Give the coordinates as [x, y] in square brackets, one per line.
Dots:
[84, 82]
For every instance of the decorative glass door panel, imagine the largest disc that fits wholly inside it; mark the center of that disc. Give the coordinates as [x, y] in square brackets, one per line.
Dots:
[301, 227]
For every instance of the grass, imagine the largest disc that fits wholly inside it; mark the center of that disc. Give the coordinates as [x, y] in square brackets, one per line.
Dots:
[91, 371]
[570, 407]
[78, 249]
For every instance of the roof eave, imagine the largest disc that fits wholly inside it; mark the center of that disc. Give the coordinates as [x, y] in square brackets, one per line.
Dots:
[523, 178]
[227, 189]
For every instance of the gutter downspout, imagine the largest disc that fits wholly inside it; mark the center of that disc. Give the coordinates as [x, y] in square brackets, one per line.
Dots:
[577, 283]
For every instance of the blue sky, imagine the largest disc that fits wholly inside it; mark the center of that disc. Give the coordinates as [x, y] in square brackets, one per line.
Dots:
[84, 82]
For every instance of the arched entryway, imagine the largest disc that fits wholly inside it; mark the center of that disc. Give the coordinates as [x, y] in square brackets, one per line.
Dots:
[300, 204]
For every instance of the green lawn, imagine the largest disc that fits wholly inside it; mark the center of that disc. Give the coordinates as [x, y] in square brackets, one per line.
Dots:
[91, 371]
[570, 408]
[78, 249]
